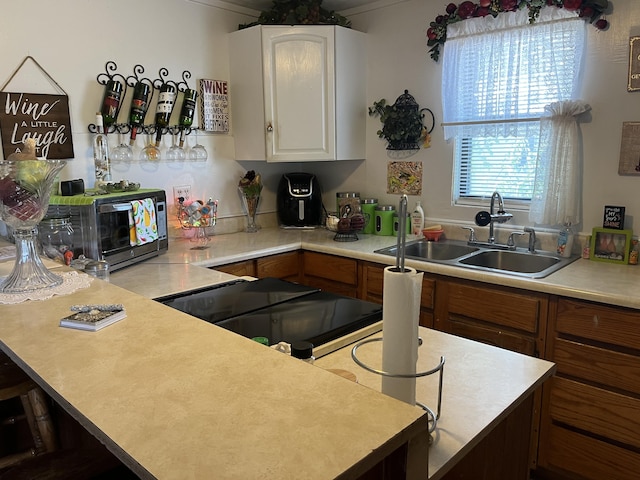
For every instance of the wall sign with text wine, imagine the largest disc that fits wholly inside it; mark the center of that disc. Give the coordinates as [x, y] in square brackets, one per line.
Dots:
[143, 91]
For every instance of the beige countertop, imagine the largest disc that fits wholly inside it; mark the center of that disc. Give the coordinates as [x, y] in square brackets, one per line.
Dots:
[176, 397]
[584, 279]
[481, 385]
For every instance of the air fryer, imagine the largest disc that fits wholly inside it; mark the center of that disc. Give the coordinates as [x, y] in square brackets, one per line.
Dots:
[299, 200]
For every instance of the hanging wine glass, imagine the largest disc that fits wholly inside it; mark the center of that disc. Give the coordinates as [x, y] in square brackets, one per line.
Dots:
[198, 152]
[150, 153]
[123, 152]
[175, 153]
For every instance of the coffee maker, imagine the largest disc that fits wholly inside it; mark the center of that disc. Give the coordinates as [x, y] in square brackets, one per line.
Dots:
[299, 200]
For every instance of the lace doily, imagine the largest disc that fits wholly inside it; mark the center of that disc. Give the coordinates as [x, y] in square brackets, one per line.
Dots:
[71, 281]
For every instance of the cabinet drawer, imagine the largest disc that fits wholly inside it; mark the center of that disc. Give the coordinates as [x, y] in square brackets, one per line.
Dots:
[330, 267]
[590, 458]
[493, 336]
[374, 283]
[594, 364]
[285, 265]
[499, 307]
[616, 326]
[240, 269]
[602, 412]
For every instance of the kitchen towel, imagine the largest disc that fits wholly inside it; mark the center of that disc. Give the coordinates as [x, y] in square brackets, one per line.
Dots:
[142, 222]
[400, 320]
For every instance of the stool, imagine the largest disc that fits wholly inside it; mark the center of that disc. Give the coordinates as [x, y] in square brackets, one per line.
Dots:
[15, 383]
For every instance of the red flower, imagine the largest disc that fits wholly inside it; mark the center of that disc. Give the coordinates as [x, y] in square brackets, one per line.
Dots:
[484, 3]
[466, 9]
[451, 8]
[509, 5]
[572, 4]
[431, 34]
[482, 11]
[601, 24]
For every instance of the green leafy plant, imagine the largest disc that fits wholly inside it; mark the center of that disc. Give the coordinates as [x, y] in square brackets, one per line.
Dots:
[298, 12]
[402, 128]
[590, 10]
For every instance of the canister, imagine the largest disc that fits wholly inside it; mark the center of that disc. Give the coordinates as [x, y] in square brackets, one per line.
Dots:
[98, 269]
[396, 223]
[368, 206]
[347, 204]
[384, 220]
[56, 237]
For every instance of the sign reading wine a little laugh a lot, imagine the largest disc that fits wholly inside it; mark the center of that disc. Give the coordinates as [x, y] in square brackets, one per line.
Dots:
[43, 117]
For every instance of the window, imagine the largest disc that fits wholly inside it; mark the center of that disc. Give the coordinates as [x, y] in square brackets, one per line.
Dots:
[499, 74]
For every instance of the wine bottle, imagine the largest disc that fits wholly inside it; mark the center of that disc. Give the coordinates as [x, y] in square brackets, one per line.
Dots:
[101, 154]
[111, 102]
[187, 112]
[166, 101]
[139, 107]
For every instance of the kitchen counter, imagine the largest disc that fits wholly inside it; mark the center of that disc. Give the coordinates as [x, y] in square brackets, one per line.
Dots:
[584, 279]
[164, 372]
[175, 397]
[482, 385]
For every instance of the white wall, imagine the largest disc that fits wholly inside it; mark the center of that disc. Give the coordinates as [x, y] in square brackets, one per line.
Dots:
[73, 39]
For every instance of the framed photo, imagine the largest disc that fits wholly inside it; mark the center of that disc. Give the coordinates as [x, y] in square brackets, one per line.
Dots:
[610, 245]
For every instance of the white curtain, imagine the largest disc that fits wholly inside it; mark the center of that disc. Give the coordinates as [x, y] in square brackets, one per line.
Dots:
[504, 68]
[557, 196]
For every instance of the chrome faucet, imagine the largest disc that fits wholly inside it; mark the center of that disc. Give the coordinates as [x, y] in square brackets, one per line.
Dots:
[532, 239]
[500, 216]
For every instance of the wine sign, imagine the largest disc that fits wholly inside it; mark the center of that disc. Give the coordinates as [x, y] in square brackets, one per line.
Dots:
[214, 106]
[42, 117]
[613, 217]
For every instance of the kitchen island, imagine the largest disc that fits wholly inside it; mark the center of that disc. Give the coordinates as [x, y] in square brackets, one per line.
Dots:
[174, 397]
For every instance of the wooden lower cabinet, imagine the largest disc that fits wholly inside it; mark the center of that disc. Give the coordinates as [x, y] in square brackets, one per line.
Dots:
[330, 273]
[371, 285]
[283, 265]
[591, 407]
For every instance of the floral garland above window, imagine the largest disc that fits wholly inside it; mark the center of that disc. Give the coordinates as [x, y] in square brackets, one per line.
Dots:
[590, 10]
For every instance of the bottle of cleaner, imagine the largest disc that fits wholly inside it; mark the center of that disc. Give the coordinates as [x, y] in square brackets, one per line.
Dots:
[565, 241]
[417, 220]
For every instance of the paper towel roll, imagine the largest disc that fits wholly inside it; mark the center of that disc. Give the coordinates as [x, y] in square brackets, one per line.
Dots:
[400, 320]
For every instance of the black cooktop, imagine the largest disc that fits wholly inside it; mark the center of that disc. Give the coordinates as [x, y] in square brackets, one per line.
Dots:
[277, 309]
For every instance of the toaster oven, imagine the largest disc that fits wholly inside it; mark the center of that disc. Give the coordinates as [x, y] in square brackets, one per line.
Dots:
[102, 225]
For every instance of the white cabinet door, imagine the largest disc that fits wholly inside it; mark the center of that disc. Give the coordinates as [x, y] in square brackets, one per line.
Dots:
[299, 89]
[297, 93]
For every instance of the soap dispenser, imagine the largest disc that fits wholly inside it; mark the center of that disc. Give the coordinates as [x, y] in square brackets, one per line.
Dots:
[417, 219]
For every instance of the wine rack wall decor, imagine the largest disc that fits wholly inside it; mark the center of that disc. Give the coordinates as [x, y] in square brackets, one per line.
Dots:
[144, 90]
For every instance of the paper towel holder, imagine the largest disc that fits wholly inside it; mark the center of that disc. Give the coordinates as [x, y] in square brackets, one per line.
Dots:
[433, 417]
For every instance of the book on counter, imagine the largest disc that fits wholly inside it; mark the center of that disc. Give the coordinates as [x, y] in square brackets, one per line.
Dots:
[93, 317]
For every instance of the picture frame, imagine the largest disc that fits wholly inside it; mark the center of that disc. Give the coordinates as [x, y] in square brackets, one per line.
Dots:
[610, 245]
[613, 217]
[629, 163]
[633, 84]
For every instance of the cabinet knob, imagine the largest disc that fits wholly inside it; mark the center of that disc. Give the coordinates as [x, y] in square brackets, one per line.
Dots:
[269, 127]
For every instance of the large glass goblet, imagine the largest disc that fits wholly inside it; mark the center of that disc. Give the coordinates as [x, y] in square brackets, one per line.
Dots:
[25, 188]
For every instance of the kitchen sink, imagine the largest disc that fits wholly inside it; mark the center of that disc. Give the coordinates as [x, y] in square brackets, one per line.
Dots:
[519, 262]
[423, 250]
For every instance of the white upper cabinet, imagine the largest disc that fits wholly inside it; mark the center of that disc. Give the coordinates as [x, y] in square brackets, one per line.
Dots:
[298, 93]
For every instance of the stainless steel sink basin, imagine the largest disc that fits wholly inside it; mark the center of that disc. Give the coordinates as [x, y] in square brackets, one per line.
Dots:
[423, 250]
[517, 262]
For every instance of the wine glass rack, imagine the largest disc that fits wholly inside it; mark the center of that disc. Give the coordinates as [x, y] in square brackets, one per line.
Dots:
[116, 88]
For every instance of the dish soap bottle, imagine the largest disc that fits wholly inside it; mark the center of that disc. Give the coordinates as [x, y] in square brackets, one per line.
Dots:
[417, 220]
[565, 241]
